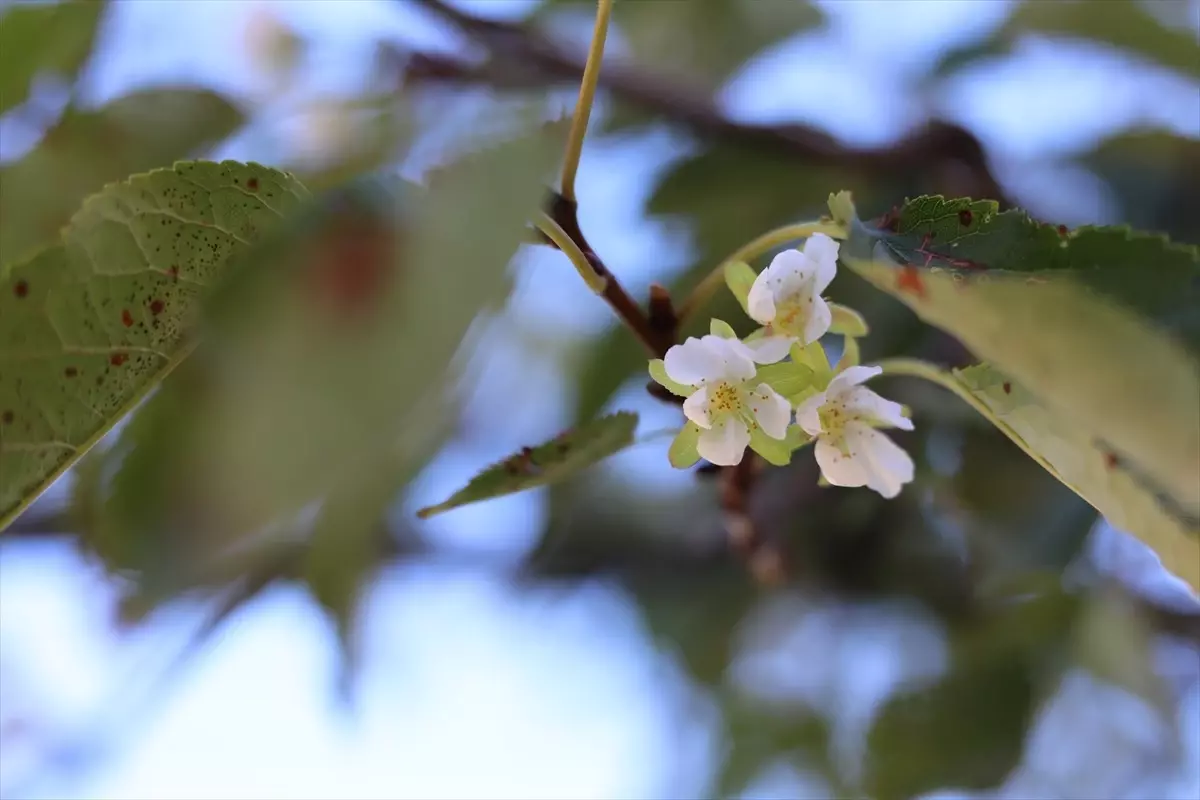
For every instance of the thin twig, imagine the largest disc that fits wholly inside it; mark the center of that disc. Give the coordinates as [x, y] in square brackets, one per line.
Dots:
[587, 94]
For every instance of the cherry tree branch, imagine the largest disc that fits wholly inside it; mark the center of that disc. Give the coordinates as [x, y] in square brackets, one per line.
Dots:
[523, 57]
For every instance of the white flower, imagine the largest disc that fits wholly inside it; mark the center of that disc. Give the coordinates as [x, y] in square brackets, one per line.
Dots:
[786, 296]
[727, 403]
[849, 449]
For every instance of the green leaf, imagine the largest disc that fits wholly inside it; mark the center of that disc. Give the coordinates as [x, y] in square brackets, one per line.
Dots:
[1093, 472]
[740, 277]
[550, 462]
[1101, 324]
[44, 39]
[86, 150]
[658, 371]
[89, 326]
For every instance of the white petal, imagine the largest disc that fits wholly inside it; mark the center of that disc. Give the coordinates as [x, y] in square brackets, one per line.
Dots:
[770, 349]
[807, 416]
[771, 410]
[838, 468]
[852, 376]
[736, 359]
[823, 252]
[695, 407]
[692, 362]
[760, 302]
[862, 401]
[792, 272]
[819, 320]
[725, 444]
[886, 464]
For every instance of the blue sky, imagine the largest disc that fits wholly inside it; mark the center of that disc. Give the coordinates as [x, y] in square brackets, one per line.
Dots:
[471, 689]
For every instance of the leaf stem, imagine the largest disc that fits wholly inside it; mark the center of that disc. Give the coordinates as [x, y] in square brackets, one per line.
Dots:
[752, 249]
[922, 369]
[587, 93]
[554, 232]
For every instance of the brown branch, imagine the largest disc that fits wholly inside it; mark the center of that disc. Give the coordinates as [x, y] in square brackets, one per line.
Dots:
[651, 329]
[522, 57]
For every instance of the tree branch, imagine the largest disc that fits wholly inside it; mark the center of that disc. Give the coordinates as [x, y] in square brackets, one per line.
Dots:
[522, 57]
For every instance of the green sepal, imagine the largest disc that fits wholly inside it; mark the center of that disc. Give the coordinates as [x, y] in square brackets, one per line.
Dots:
[739, 277]
[787, 377]
[847, 321]
[683, 453]
[719, 327]
[775, 451]
[841, 208]
[813, 356]
[797, 437]
[851, 357]
[658, 371]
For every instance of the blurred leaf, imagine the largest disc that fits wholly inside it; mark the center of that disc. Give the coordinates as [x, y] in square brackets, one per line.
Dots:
[44, 39]
[1101, 324]
[1156, 175]
[549, 462]
[350, 321]
[89, 326]
[1124, 24]
[967, 731]
[88, 149]
[703, 41]
[960, 57]
[757, 735]
[349, 540]
[1094, 474]
[1117, 646]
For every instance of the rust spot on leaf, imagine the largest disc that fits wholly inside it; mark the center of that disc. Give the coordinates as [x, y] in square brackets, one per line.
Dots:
[1007, 387]
[117, 359]
[21, 289]
[909, 280]
[174, 272]
[1062, 230]
[156, 307]
[70, 372]
[8, 417]
[353, 267]
[126, 318]
[252, 184]
[1110, 460]
[965, 218]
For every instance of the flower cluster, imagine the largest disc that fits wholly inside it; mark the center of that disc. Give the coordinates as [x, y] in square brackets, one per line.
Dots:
[742, 392]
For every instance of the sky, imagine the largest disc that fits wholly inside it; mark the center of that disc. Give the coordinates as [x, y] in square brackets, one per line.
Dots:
[463, 691]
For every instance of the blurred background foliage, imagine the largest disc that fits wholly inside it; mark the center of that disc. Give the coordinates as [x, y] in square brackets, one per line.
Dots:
[377, 351]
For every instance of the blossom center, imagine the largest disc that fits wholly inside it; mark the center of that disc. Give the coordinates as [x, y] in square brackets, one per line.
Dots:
[723, 398]
[834, 416]
[791, 309]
